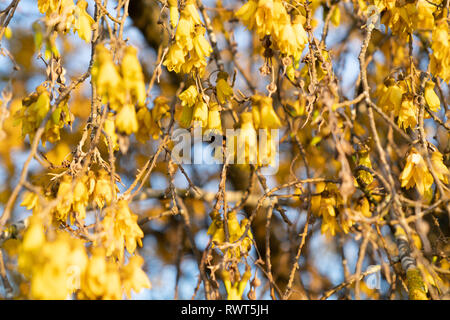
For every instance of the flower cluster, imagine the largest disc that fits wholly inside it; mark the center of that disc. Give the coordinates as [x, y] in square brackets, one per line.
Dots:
[34, 110]
[394, 97]
[440, 57]
[270, 18]
[416, 172]
[70, 16]
[235, 231]
[123, 87]
[189, 50]
[120, 230]
[329, 205]
[58, 265]
[194, 109]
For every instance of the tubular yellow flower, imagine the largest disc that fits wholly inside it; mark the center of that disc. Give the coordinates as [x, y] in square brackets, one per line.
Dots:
[431, 97]
[214, 122]
[264, 18]
[247, 14]
[173, 13]
[192, 12]
[287, 41]
[160, 108]
[425, 18]
[189, 96]
[133, 77]
[106, 77]
[110, 130]
[201, 45]
[280, 17]
[364, 160]
[133, 277]
[268, 119]
[300, 35]
[391, 99]
[440, 44]
[183, 35]
[42, 105]
[185, 119]
[103, 192]
[146, 126]
[126, 120]
[336, 16]
[439, 167]
[408, 113]
[200, 113]
[416, 173]
[83, 24]
[175, 58]
[247, 140]
[223, 89]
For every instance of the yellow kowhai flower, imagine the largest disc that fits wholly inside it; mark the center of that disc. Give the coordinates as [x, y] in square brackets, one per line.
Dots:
[391, 97]
[80, 197]
[120, 230]
[440, 58]
[287, 40]
[173, 13]
[223, 89]
[329, 224]
[300, 35]
[416, 173]
[146, 126]
[235, 230]
[201, 45]
[431, 97]
[102, 278]
[133, 277]
[325, 206]
[363, 207]
[133, 78]
[191, 10]
[47, 5]
[336, 16]
[185, 29]
[267, 148]
[103, 192]
[214, 122]
[280, 17]
[264, 116]
[84, 21]
[65, 196]
[126, 120]
[425, 18]
[50, 265]
[189, 96]
[184, 116]
[235, 289]
[439, 167]
[42, 105]
[160, 108]
[407, 116]
[247, 13]
[247, 140]
[30, 200]
[110, 129]
[106, 78]
[200, 113]
[175, 58]
[264, 17]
